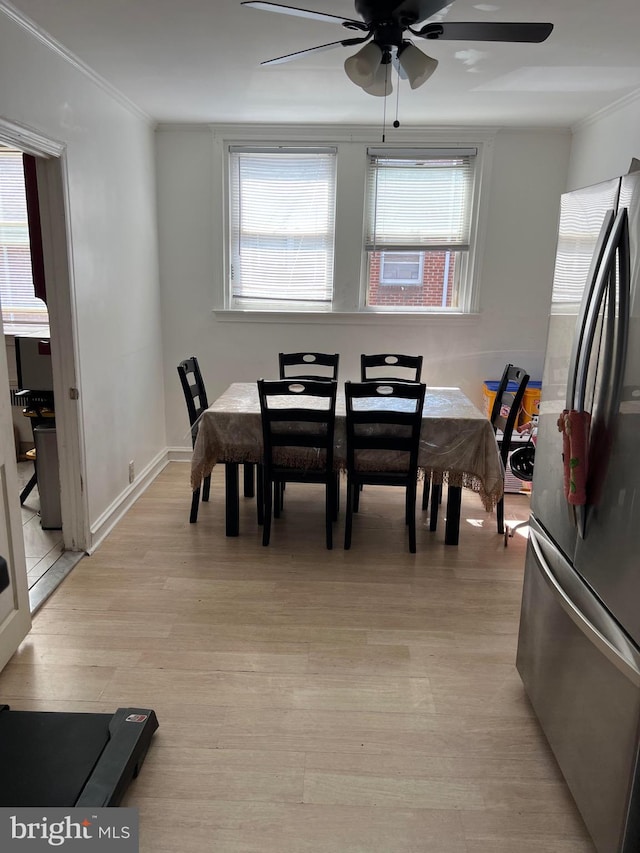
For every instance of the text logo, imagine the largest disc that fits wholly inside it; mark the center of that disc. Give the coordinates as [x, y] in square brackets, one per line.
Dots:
[34, 830]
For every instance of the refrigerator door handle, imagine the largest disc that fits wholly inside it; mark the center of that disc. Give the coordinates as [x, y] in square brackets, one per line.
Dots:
[613, 366]
[576, 349]
[591, 320]
[622, 316]
[584, 610]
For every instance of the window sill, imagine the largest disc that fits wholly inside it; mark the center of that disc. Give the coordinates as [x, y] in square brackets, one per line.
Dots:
[234, 315]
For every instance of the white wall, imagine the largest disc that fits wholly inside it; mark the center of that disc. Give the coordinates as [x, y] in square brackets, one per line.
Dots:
[604, 146]
[111, 197]
[528, 175]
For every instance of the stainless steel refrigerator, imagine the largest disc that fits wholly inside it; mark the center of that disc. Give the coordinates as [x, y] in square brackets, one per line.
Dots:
[579, 641]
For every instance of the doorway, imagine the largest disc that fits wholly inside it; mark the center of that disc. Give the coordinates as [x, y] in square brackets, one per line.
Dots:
[51, 554]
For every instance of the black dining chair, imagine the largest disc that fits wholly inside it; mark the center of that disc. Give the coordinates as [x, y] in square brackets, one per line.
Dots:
[376, 427]
[195, 396]
[504, 415]
[392, 366]
[298, 424]
[308, 365]
[400, 368]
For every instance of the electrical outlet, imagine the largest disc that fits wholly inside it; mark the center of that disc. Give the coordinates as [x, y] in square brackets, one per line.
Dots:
[131, 472]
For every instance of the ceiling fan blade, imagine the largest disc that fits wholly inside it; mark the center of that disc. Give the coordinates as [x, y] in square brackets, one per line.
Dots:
[486, 31]
[305, 13]
[419, 10]
[402, 74]
[289, 56]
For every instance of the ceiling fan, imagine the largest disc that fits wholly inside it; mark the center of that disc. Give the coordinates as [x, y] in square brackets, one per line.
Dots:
[384, 26]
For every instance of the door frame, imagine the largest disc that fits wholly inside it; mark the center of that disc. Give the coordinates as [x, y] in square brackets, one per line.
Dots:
[51, 169]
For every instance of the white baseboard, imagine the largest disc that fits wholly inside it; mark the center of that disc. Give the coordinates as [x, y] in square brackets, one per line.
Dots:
[179, 454]
[112, 515]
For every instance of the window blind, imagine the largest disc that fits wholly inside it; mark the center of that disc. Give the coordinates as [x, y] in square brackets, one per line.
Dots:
[19, 303]
[418, 201]
[578, 233]
[282, 224]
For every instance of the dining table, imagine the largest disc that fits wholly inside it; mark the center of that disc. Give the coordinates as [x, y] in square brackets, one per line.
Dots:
[457, 448]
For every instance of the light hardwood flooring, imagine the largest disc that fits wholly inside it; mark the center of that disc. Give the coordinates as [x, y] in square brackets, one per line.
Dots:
[309, 701]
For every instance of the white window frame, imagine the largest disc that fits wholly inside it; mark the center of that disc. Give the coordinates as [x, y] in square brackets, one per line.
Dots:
[465, 282]
[351, 273]
[254, 299]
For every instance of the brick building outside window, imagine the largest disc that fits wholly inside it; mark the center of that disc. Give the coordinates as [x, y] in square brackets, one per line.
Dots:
[413, 279]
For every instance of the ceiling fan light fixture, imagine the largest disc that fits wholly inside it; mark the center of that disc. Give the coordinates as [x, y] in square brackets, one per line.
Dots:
[381, 85]
[361, 68]
[416, 65]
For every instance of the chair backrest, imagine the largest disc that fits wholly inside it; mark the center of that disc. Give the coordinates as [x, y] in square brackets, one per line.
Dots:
[392, 366]
[308, 365]
[195, 394]
[298, 413]
[506, 405]
[384, 416]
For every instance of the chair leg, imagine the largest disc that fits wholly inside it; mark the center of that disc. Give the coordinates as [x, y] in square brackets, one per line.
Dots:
[500, 516]
[206, 488]
[356, 497]
[436, 491]
[195, 500]
[425, 492]
[278, 500]
[336, 496]
[268, 502]
[329, 503]
[24, 494]
[351, 489]
[411, 520]
[260, 493]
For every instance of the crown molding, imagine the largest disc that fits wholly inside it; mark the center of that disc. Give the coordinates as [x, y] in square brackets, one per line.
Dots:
[56, 47]
[367, 134]
[621, 103]
[28, 140]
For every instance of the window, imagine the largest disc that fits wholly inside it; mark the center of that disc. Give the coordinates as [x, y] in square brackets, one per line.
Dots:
[419, 227]
[19, 303]
[344, 224]
[282, 227]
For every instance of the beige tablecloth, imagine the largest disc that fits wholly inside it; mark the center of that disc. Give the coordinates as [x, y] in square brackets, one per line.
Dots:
[457, 443]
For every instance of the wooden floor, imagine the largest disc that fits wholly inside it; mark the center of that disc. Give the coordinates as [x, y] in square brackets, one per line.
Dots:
[309, 701]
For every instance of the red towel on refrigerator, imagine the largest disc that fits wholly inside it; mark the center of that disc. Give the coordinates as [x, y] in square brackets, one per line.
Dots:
[574, 427]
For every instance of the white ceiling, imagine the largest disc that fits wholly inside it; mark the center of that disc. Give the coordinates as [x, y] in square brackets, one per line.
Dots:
[198, 61]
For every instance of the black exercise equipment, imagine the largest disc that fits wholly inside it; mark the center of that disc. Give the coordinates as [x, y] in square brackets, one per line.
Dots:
[51, 758]
[60, 759]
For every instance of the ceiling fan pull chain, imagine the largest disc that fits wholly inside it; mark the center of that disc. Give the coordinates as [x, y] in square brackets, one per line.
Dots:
[384, 109]
[396, 123]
